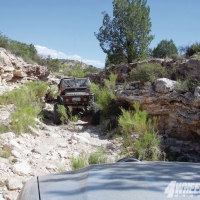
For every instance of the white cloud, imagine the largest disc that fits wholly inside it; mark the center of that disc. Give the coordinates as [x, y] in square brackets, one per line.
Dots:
[44, 51]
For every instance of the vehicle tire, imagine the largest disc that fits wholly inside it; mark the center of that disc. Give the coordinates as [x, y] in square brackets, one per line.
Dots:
[95, 115]
[57, 115]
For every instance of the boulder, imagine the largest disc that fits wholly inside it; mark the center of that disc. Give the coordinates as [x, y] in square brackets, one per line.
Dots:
[164, 85]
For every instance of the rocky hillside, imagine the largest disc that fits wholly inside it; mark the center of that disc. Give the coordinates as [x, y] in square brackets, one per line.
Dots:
[72, 63]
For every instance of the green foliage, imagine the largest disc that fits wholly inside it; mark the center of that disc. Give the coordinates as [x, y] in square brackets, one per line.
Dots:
[194, 48]
[146, 146]
[126, 37]
[147, 72]
[187, 85]
[52, 92]
[105, 95]
[134, 121]
[24, 117]
[66, 114]
[3, 128]
[77, 71]
[4, 41]
[97, 157]
[111, 82]
[165, 49]
[83, 160]
[5, 154]
[79, 161]
[53, 64]
[62, 111]
[91, 69]
[28, 104]
[126, 121]
[37, 89]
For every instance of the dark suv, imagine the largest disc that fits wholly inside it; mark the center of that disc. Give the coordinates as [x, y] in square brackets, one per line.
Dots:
[75, 92]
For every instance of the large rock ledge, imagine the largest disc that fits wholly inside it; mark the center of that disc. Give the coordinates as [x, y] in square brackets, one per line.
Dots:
[14, 68]
[178, 114]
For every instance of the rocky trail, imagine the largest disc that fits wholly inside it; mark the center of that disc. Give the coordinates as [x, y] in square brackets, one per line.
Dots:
[47, 149]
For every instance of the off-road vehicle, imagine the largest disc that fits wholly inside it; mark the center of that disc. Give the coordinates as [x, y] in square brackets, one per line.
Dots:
[75, 93]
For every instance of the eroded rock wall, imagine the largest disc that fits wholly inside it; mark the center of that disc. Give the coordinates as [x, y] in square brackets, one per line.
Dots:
[14, 68]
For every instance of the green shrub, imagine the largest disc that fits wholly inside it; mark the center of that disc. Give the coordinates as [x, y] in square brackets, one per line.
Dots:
[111, 82]
[194, 48]
[52, 92]
[126, 121]
[187, 85]
[148, 146]
[28, 94]
[147, 72]
[97, 157]
[24, 117]
[38, 89]
[28, 104]
[137, 121]
[76, 71]
[62, 111]
[4, 154]
[3, 128]
[105, 95]
[78, 162]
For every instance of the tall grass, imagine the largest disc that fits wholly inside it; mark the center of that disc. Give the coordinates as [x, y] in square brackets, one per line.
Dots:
[28, 104]
[146, 146]
[97, 157]
[84, 160]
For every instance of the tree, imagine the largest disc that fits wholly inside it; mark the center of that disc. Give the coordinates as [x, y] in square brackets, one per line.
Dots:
[126, 37]
[165, 49]
[194, 48]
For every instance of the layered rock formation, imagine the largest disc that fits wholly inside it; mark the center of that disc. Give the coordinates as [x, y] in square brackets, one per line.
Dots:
[14, 68]
[178, 113]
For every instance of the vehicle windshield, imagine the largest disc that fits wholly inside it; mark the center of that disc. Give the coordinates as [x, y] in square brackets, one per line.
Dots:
[75, 83]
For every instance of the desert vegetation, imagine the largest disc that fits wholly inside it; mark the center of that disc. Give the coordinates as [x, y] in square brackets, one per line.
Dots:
[28, 102]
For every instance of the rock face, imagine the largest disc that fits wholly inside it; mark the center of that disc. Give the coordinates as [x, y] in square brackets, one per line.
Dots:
[14, 68]
[178, 114]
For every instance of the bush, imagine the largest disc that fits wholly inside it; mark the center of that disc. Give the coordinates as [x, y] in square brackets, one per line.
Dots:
[52, 92]
[3, 128]
[76, 71]
[83, 160]
[37, 89]
[5, 154]
[147, 72]
[145, 145]
[187, 85]
[66, 114]
[136, 121]
[105, 95]
[194, 48]
[28, 104]
[97, 157]
[24, 117]
[78, 162]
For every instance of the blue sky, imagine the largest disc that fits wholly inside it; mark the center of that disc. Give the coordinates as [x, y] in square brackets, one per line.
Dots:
[65, 28]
